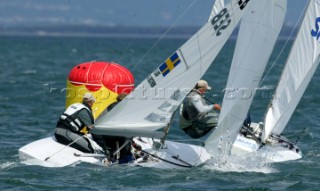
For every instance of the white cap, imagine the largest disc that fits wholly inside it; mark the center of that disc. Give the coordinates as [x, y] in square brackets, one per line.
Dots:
[203, 84]
[88, 97]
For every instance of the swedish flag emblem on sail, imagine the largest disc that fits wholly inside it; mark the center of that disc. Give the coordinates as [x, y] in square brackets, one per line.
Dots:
[169, 64]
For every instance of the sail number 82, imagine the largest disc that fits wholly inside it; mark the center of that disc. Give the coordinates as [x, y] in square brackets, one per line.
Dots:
[222, 20]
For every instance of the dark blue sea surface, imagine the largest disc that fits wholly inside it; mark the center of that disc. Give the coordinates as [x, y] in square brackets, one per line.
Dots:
[31, 67]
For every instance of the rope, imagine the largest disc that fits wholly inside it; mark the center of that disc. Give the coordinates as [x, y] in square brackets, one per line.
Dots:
[64, 147]
[167, 161]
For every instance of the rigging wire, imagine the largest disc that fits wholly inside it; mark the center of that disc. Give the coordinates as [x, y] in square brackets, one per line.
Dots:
[163, 35]
[285, 44]
[298, 23]
[126, 49]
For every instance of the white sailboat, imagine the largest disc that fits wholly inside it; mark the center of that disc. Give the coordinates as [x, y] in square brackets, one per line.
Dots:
[149, 108]
[299, 69]
[258, 33]
[300, 66]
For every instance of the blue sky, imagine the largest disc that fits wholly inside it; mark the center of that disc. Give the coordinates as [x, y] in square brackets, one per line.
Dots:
[115, 12]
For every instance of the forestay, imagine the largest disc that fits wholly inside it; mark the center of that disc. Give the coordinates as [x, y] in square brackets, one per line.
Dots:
[299, 69]
[150, 106]
[259, 30]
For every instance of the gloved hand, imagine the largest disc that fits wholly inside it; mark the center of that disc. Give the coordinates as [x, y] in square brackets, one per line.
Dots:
[217, 107]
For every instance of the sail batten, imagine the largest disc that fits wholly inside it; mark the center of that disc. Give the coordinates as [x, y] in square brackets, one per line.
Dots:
[177, 75]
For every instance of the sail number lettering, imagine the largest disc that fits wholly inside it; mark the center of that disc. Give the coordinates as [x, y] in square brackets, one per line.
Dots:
[243, 3]
[221, 21]
[316, 32]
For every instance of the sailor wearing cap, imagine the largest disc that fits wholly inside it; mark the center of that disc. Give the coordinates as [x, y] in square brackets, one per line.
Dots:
[71, 123]
[197, 118]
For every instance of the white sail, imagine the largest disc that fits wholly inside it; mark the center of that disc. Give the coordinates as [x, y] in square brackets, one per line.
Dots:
[299, 69]
[259, 30]
[150, 106]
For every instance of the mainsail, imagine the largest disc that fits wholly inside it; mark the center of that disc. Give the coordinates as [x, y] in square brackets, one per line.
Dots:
[299, 69]
[150, 106]
[259, 30]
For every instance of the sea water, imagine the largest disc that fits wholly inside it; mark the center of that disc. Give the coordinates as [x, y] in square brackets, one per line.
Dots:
[33, 77]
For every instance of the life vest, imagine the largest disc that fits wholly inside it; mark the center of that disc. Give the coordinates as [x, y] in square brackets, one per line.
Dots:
[70, 118]
[189, 111]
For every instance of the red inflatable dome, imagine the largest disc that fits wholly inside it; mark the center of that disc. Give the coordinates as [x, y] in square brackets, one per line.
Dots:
[95, 74]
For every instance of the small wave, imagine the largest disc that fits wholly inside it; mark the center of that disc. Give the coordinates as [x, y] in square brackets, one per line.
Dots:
[29, 72]
[312, 154]
[248, 163]
[4, 98]
[12, 81]
[7, 165]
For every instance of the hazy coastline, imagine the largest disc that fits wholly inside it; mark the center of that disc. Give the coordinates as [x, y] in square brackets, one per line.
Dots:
[112, 31]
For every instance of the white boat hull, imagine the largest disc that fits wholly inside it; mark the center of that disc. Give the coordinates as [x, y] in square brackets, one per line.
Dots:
[60, 155]
[49, 153]
[278, 151]
[167, 156]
